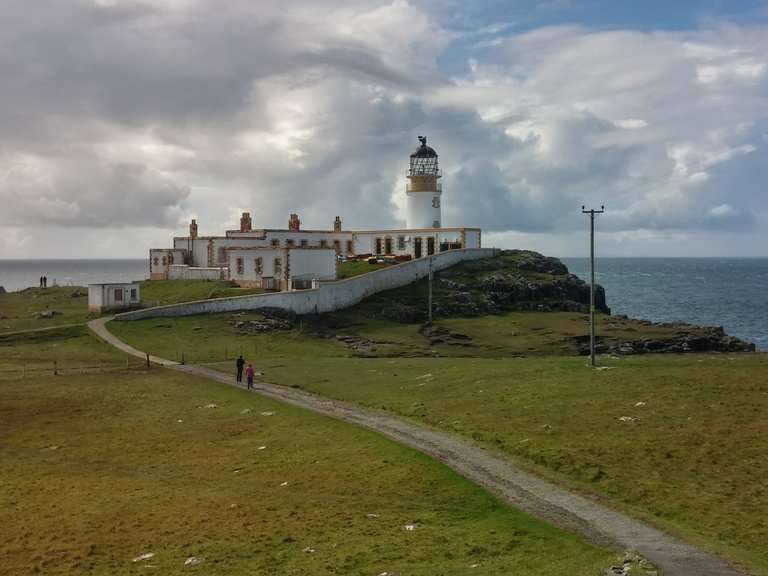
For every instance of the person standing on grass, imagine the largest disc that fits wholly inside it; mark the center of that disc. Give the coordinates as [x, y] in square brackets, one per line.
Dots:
[249, 372]
[240, 363]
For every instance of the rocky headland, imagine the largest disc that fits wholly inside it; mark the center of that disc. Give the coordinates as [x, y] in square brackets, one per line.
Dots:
[522, 280]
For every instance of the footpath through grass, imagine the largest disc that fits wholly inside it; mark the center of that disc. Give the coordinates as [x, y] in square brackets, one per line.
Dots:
[676, 439]
[151, 471]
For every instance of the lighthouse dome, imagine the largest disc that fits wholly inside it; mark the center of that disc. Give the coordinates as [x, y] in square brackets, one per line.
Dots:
[424, 151]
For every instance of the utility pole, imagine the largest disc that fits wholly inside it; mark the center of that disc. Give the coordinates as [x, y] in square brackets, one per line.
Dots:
[429, 293]
[592, 280]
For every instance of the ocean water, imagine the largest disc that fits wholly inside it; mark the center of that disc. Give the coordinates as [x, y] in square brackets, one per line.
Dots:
[728, 292]
[19, 274]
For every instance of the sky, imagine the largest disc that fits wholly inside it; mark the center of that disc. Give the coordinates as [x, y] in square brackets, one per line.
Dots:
[122, 119]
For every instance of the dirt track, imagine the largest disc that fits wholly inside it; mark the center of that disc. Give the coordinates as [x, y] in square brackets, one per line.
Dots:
[522, 489]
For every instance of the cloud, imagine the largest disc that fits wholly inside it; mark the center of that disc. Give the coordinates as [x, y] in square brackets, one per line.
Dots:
[137, 115]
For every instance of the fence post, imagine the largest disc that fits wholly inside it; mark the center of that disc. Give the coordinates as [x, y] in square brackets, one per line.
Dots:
[55, 368]
[182, 357]
[148, 360]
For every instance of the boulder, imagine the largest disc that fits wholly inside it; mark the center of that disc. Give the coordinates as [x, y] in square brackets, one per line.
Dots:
[46, 314]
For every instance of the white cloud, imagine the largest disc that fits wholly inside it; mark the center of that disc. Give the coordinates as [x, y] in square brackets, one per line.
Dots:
[158, 111]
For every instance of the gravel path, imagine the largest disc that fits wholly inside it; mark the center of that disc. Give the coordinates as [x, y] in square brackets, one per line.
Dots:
[522, 489]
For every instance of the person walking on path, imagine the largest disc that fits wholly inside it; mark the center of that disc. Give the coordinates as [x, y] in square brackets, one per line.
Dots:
[240, 363]
[249, 372]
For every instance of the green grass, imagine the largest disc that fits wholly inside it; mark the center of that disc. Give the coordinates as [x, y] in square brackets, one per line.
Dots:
[18, 309]
[357, 267]
[694, 459]
[213, 337]
[64, 349]
[162, 292]
[101, 468]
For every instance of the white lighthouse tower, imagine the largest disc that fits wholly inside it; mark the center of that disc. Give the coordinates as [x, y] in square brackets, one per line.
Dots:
[423, 190]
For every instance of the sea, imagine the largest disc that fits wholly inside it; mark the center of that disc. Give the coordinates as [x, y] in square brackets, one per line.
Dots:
[727, 292]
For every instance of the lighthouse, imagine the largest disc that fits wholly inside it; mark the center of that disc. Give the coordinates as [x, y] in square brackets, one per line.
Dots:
[423, 190]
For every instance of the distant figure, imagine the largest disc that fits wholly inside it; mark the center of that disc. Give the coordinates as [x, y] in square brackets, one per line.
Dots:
[249, 372]
[41, 281]
[45, 281]
[240, 363]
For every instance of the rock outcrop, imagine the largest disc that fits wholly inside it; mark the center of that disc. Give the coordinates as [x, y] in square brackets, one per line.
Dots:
[516, 280]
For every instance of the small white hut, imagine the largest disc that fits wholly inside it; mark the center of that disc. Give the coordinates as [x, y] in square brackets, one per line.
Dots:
[103, 297]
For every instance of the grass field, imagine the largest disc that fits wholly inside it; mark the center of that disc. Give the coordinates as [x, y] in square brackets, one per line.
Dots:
[676, 439]
[161, 292]
[356, 267]
[207, 338]
[102, 469]
[18, 310]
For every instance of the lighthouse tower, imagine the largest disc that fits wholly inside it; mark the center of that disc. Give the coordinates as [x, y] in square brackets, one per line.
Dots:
[423, 190]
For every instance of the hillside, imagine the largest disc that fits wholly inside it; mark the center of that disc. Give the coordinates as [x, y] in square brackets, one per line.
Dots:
[476, 303]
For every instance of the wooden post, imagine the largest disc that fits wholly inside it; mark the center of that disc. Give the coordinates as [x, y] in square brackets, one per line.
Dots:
[182, 357]
[55, 368]
[147, 359]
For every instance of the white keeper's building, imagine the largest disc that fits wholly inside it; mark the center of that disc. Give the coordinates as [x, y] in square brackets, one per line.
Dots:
[284, 259]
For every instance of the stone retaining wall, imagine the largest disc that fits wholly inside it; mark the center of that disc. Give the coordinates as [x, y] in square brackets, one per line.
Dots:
[328, 296]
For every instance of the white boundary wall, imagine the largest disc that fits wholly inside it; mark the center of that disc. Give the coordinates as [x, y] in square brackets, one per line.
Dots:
[329, 296]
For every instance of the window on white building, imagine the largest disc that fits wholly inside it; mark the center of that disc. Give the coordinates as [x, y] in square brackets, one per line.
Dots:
[401, 242]
[240, 266]
[258, 266]
[275, 243]
[133, 295]
[278, 266]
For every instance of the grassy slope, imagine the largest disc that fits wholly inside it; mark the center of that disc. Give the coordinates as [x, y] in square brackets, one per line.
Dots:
[693, 460]
[357, 267]
[98, 469]
[17, 309]
[161, 292]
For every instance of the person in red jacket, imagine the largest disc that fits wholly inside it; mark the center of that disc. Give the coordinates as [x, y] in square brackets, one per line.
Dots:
[249, 372]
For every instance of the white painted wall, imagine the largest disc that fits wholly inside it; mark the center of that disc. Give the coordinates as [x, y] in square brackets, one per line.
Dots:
[161, 258]
[319, 263]
[329, 296]
[472, 238]
[184, 272]
[423, 209]
[105, 296]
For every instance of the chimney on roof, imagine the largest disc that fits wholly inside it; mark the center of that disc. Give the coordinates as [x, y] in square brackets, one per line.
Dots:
[245, 222]
[337, 224]
[193, 229]
[294, 223]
